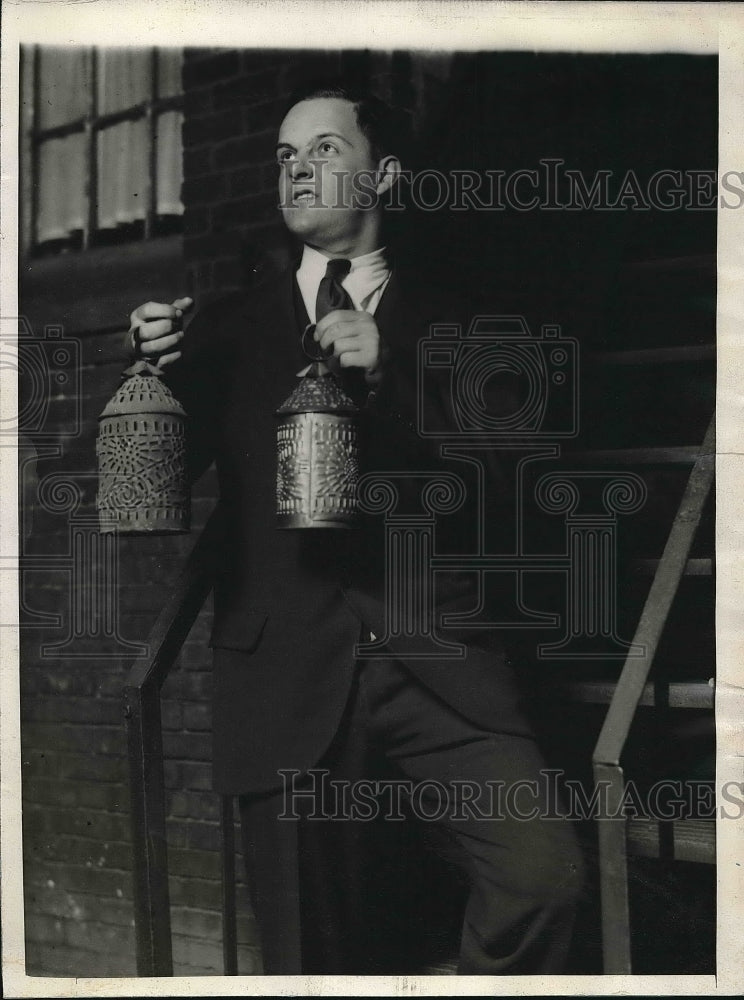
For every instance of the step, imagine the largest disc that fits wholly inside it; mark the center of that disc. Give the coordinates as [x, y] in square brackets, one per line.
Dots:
[680, 840]
[673, 455]
[655, 355]
[678, 694]
[693, 567]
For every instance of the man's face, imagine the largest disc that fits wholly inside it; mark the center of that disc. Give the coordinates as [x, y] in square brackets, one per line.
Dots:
[326, 172]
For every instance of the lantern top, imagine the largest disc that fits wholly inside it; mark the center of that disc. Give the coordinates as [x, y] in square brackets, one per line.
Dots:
[142, 391]
[318, 391]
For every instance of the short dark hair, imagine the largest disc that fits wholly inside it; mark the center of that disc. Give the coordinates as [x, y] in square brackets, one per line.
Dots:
[386, 127]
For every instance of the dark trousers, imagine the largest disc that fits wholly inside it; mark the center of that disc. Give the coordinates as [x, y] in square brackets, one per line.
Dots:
[317, 887]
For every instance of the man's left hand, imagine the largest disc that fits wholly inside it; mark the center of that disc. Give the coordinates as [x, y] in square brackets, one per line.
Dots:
[354, 337]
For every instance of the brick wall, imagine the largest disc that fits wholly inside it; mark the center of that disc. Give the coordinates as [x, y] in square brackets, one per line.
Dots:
[79, 913]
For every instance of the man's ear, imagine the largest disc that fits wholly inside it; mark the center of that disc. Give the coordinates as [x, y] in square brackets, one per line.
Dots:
[388, 172]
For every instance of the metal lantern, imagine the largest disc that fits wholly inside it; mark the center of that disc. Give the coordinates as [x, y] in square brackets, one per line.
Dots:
[141, 448]
[317, 454]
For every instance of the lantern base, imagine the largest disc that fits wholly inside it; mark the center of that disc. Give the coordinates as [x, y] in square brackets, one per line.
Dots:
[288, 521]
[144, 522]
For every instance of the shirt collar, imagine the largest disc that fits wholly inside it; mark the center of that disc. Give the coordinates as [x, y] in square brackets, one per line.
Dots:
[368, 273]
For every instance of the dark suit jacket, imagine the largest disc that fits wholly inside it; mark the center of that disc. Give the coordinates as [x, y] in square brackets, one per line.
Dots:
[289, 604]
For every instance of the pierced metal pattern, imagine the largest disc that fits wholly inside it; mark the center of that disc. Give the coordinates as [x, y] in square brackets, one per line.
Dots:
[317, 471]
[317, 454]
[141, 450]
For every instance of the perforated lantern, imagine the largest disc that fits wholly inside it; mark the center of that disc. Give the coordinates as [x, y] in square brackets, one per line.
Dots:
[141, 447]
[317, 454]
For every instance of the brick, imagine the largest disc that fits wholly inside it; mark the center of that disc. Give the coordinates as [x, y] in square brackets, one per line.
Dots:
[196, 221]
[76, 850]
[95, 936]
[263, 61]
[190, 746]
[80, 906]
[248, 89]
[256, 148]
[246, 181]
[197, 717]
[213, 245]
[206, 190]
[45, 929]
[104, 740]
[171, 715]
[53, 791]
[198, 101]
[267, 115]
[196, 686]
[198, 73]
[192, 775]
[98, 710]
[212, 128]
[73, 767]
[76, 878]
[193, 835]
[189, 862]
[101, 826]
[195, 892]
[245, 211]
[188, 952]
[195, 805]
[41, 960]
[197, 923]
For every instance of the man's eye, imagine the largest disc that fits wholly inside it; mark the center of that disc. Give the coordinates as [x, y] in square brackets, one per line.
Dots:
[284, 156]
[327, 147]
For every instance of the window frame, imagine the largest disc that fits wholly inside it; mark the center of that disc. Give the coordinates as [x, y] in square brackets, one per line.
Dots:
[90, 125]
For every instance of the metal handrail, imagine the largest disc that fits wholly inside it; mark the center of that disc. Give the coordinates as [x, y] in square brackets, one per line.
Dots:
[145, 743]
[628, 693]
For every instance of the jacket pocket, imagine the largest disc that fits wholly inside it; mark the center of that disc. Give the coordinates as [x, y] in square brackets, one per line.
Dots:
[242, 632]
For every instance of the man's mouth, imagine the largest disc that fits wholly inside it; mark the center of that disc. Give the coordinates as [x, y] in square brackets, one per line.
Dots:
[303, 196]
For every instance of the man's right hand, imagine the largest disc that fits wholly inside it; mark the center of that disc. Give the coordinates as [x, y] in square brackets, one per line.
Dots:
[156, 331]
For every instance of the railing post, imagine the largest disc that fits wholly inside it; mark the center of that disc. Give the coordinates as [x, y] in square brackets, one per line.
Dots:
[229, 919]
[149, 846]
[613, 872]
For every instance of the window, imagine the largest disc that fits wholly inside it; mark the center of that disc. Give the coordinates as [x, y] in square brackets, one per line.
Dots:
[104, 141]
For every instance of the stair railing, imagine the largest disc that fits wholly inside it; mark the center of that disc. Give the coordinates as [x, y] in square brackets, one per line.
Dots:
[146, 778]
[608, 774]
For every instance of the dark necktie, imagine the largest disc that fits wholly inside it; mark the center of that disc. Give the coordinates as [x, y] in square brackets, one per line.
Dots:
[331, 293]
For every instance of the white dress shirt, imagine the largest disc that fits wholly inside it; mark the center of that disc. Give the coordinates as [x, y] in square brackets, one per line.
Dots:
[365, 282]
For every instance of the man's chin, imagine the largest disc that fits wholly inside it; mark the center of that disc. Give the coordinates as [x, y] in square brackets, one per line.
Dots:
[305, 222]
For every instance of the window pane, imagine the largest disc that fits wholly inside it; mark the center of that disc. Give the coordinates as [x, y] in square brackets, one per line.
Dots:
[64, 85]
[122, 174]
[124, 78]
[169, 72]
[170, 164]
[61, 187]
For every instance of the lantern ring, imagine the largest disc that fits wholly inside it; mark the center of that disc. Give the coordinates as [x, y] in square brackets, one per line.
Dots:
[323, 355]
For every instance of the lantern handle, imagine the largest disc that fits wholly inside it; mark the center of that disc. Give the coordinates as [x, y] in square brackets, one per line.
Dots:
[323, 355]
[142, 367]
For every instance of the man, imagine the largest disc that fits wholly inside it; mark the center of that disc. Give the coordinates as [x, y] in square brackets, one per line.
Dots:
[290, 606]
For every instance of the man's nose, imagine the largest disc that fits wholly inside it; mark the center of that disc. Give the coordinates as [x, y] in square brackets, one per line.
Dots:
[301, 167]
